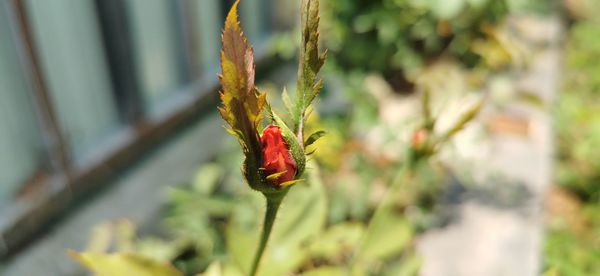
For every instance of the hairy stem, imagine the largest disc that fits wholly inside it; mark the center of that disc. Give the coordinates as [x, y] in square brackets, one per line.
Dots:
[273, 203]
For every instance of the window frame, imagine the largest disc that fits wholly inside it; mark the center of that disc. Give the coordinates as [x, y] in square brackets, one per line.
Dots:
[71, 180]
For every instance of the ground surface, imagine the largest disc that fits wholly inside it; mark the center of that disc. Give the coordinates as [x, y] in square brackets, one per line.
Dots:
[496, 224]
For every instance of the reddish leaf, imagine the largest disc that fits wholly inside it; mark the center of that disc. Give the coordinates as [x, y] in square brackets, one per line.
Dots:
[242, 103]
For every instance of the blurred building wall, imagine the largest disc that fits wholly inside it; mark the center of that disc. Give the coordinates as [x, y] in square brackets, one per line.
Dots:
[87, 86]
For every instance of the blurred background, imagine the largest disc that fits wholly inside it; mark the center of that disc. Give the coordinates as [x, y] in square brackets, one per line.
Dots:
[110, 144]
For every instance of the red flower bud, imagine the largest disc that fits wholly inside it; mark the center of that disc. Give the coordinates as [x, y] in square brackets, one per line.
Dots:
[276, 156]
[418, 139]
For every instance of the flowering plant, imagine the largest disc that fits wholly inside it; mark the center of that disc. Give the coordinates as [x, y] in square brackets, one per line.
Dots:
[275, 160]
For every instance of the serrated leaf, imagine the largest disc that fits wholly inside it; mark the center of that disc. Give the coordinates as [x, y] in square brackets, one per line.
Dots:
[314, 137]
[242, 103]
[311, 61]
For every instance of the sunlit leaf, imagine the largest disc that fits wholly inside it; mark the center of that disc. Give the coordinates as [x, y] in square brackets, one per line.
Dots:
[123, 264]
[242, 102]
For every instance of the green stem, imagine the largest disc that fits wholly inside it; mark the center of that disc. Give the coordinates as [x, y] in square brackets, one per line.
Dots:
[273, 203]
[405, 173]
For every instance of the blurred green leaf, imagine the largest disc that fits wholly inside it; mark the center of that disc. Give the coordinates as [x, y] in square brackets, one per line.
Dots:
[123, 264]
[446, 9]
[387, 238]
[407, 267]
[337, 240]
[220, 269]
[207, 177]
[302, 217]
[327, 271]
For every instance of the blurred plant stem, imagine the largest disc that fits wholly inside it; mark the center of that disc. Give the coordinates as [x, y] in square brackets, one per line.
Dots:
[273, 203]
[405, 175]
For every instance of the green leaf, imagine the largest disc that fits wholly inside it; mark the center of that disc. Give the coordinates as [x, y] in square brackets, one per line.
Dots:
[300, 219]
[389, 236]
[304, 215]
[408, 266]
[123, 264]
[447, 9]
[326, 271]
[285, 97]
[336, 241]
[207, 177]
[243, 230]
[221, 269]
[311, 61]
[314, 137]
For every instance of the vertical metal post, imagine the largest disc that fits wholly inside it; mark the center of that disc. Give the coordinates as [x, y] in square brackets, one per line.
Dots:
[56, 146]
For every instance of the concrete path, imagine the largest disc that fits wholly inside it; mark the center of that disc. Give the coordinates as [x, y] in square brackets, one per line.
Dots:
[495, 225]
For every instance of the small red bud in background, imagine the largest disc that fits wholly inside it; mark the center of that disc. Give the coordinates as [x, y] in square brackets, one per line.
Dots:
[418, 139]
[276, 155]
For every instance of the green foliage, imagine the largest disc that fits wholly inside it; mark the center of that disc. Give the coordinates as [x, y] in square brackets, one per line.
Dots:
[123, 264]
[575, 252]
[326, 226]
[403, 35]
[571, 249]
[310, 62]
[314, 137]
[578, 120]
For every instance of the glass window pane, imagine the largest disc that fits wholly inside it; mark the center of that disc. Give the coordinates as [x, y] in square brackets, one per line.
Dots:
[68, 43]
[19, 138]
[252, 18]
[208, 23]
[157, 48]
[208, 17]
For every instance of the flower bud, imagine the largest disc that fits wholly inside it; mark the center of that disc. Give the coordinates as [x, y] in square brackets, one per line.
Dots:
[277, 162]
[419, 139]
